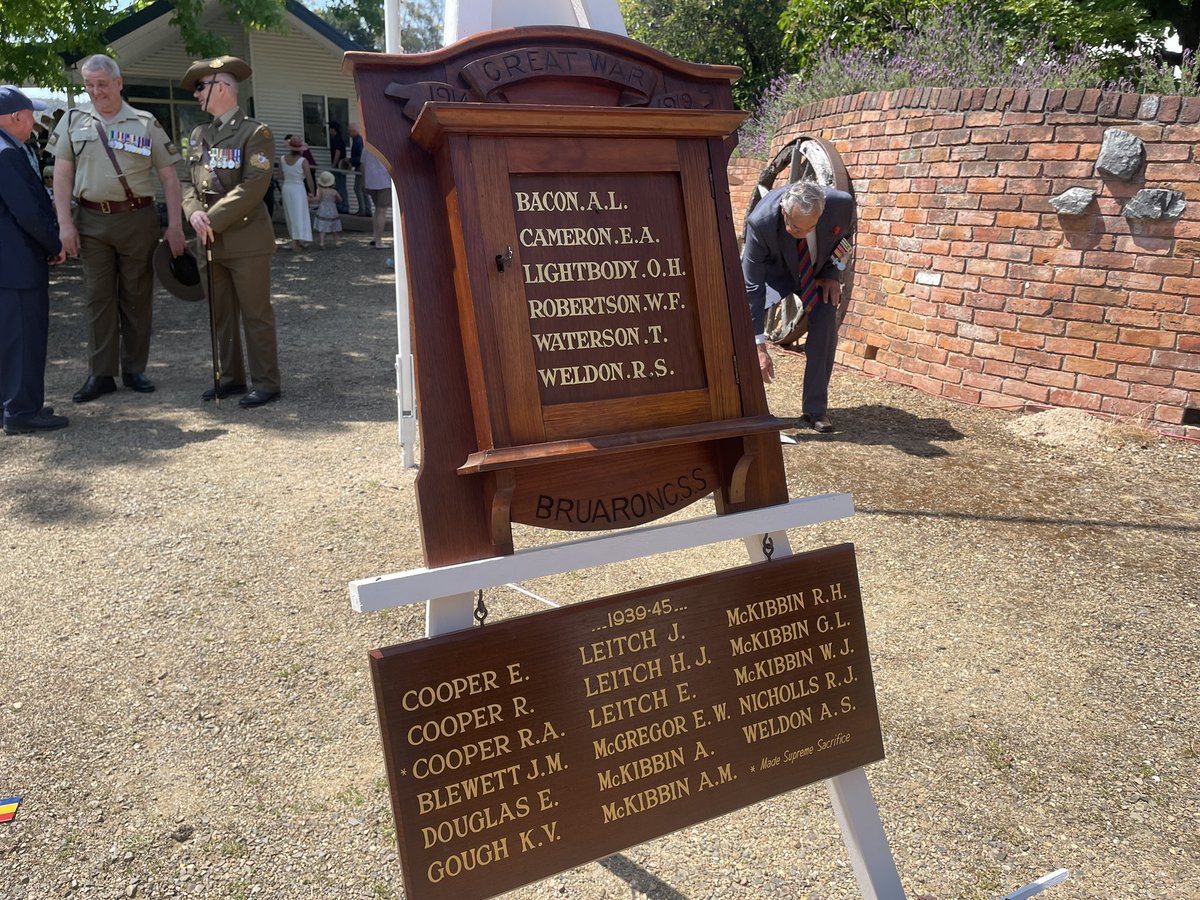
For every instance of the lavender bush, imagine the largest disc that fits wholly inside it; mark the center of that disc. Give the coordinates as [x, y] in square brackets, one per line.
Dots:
[956, 46]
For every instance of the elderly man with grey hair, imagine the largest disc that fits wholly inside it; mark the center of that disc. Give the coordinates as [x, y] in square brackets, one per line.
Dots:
[794, 241]
[106, 159]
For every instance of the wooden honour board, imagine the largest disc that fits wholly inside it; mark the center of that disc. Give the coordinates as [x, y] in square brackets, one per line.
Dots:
[518, 750]
[580, 328]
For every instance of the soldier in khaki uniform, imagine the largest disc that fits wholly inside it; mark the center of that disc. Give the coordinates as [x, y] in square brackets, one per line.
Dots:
[106, 159]
[230, 162]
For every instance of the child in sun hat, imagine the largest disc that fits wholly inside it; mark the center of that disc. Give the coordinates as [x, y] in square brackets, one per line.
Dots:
[327, 220]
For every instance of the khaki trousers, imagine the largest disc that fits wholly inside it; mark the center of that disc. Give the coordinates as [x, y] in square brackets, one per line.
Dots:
[117, 250]
[242, 291]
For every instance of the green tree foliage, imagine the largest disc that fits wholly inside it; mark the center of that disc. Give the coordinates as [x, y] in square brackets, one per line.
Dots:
[38, 35]
[1111, 30]
[362, 20]
[743, 33]
[35, 34]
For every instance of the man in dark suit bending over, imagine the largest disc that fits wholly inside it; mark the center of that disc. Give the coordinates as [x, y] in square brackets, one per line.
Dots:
[794, 242]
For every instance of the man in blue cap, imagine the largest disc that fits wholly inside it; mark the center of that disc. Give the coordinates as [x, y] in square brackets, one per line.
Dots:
[29, 245]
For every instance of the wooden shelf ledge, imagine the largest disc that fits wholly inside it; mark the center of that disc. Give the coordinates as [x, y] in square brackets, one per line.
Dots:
[603, 445]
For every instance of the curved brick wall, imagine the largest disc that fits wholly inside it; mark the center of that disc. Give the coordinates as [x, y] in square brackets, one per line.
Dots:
[969, 285]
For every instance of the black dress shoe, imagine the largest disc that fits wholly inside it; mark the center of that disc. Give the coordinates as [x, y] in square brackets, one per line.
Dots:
[258, 397]
[42, 421]
[820, 424]
[137, 381]
[227, 390]
[95, 386]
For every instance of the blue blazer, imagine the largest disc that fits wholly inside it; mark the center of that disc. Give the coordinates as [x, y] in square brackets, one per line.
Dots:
[770, 261]
[28, 225]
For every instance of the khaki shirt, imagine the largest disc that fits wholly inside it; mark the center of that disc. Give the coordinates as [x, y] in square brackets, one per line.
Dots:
[138, 142]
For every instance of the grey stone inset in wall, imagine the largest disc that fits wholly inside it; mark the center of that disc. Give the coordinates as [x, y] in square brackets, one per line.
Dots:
[1121, 154]
[1155, 203]
[1073, 201]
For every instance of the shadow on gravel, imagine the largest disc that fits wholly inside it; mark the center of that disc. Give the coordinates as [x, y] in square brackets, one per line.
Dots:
[1028, 520]
[882, 425]
[639, 880]
[336, 322]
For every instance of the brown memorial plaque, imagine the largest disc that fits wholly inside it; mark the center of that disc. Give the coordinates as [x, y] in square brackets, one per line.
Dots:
[518, 750]
[581, 335]
[637, 334]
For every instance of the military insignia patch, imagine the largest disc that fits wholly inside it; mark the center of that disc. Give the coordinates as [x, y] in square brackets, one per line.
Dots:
[216, 63]
[53, 140]
[260, 161]
[172, 149]
[266, 131]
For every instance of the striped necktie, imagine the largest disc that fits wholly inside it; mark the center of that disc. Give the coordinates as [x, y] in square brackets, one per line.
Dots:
[808, 292]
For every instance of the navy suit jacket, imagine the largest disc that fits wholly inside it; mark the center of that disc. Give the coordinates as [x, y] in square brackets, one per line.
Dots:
[770, 260]
[28, 225]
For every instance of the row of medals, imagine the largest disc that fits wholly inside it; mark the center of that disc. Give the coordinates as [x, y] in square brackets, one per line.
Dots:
[130, 143]
[219, 158]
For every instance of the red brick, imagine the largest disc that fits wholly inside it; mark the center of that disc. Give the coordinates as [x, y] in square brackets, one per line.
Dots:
[1174, 285]
[1022, 388]
[1009, 252]
[968, 248]
[1103, 260]
[1031, 273]
[1075, 400]
[1070, 346]
[1036, 290]
[1148, 393]
[1092, 331]
[986, 267]
[983, 382]
[1030, 134]
[1116, 406]
[994, 319]
[1164, 266]
[1121, 353]
[1051, 377]
[1092, 277]
[1108, 387]
[977, 332]
[995, 352]
[1038, 358]
[1142, 281]
[1023, 340]
[961, 394]
[1145, 375]
[1095, 367]
[1029, 306]
[1173, 360]
[1018, 220]
[1103, 296]
[1140, 338]
[1136, 318]
[1040, 326]
[1063, 151]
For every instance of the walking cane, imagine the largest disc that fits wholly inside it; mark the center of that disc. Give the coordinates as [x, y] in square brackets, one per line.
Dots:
[212, 322]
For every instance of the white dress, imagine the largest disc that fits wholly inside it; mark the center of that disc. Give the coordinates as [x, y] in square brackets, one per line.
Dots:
[295, 199]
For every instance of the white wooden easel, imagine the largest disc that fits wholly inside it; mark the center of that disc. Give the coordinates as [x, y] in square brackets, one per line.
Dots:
[462, 19]
[449, 595]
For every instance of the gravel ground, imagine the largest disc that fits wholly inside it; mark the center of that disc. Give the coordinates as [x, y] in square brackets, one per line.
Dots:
[186, 707]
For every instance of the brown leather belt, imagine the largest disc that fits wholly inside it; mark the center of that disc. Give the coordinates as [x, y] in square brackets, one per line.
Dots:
[116, 206]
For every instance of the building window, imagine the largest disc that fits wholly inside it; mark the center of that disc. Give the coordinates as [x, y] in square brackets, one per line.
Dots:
[175, 109]
[319, 111]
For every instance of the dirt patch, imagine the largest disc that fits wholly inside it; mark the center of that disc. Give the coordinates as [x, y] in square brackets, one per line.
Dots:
[187, 711]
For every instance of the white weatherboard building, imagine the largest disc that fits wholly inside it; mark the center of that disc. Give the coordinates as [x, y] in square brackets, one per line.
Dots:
[297, 87]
